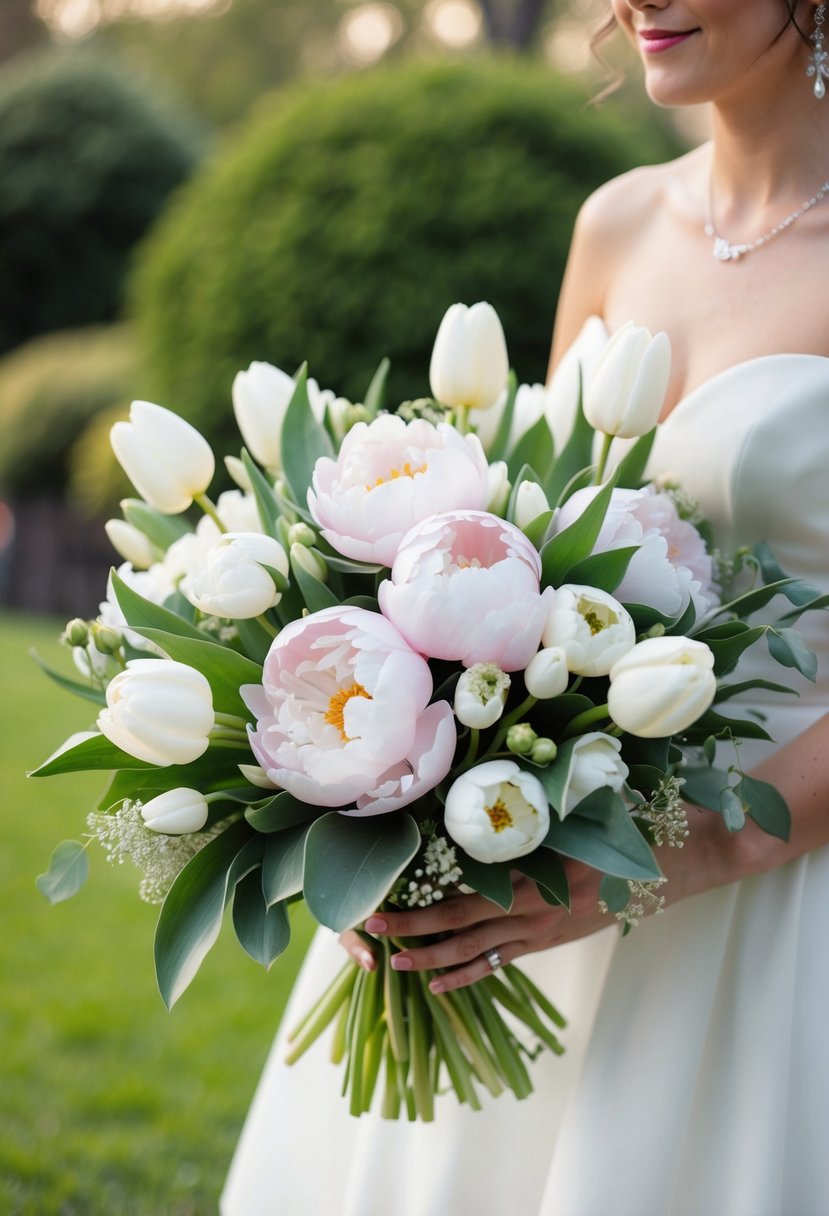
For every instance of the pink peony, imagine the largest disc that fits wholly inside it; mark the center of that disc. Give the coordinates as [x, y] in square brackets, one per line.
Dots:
[426, 765]
[465, 585]
[672, 565]
[342, 712]
[389, 476]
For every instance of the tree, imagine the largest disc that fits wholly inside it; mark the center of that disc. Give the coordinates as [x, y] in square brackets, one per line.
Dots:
[513, 23]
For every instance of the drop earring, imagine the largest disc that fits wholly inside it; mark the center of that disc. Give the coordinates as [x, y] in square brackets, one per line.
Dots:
[818, 67]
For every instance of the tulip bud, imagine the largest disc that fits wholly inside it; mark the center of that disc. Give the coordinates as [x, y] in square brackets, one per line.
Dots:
[311, 562]
[159, 711]
[661, 686]
[496, 811]
[530, 502]
[261, 396]
[76, 632]
[520, 738]
[354, 414]
[130, 543]
[593, 761]
[469, 366]
[547, 674]
[105, 639]
[301, 534]
[543, 751]
[175, 812]
[624, 396]
[239, 473]
[590, 626]
[497, 488]
[165, 458]
[256, 775]
[480, 695]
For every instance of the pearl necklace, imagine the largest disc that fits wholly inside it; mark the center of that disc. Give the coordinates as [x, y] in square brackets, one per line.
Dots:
[723, 249]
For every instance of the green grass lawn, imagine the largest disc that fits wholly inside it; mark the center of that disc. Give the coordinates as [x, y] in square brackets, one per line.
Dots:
[109, 1104]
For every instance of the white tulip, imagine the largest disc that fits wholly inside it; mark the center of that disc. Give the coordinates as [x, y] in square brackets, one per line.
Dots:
[625, 394]
[469, 366]
[261, 396]
[239, 473]
[159, 711]
[594, 762]
[661, 686]
[497, 488]
[232, 582]
[530, 502]
[480, 695]
[592, 628]
[547, 674]
[131, 543]
[165, 458]
[496, 811]
[175, 812]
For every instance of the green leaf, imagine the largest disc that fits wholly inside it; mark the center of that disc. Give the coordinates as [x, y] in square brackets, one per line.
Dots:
[703, 785]
[788, 648]
[752, 601]
[280, 812]
[576, 455]
[345, 565]
[224, 669]
[96, 695]
[266, 503]
[644, 778]
[546, 870]
[766, 806]
[632, 467]
[191, 915]
[534, 448]
[68, 871]
[140, 612]
[216, 769]
[255, 639]
[709, 749]
[283, 865]
[263, 932]
[95, 752]
[315, 593]
[726, 691]
[602, 570]
[490, 879]
[536, 529]
[160, 530]
[576, 542]
[303, 440]
[727, 650]
[376, 392]
[601, 833]
[732, 810]
[556, 777]
[500, 444]
[798, 592]
[615, 892]
[712, 723]
[579, 481]
[351, 864]
[812, 605]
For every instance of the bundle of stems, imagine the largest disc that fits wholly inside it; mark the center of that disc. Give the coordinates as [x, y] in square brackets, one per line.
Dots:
[391, 1023]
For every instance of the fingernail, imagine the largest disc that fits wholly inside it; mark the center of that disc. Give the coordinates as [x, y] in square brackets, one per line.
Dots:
[367, 961]
[437, 986]
[375, 924]
[400, 963]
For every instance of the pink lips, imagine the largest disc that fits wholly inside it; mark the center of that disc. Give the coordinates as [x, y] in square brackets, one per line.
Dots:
[655, 41]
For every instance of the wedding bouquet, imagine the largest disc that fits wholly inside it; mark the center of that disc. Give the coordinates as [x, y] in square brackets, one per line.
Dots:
[413, 652]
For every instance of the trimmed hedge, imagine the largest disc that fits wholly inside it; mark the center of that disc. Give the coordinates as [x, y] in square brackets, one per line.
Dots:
[87, 159]
[345, 218]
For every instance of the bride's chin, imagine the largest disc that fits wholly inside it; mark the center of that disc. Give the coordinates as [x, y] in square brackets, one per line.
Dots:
[672, 89]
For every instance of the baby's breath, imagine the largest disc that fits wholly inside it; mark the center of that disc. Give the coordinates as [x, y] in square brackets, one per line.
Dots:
[665, 812]
[437, 869]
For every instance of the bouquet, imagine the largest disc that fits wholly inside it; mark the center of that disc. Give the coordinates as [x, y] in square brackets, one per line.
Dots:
[415, 651]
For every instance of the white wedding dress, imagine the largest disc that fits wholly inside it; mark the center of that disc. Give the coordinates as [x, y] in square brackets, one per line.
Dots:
[696, 1080]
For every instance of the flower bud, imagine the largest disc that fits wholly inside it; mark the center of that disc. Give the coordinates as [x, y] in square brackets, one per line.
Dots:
[547, 674]
[594, 762]
[520, 738]
[261, 396]
[530, 502]
[661, 686]
[311, 562]
[624, 396]
[469, 365]
[175, 812]
[159, 711]
[165, 458]
[105, 639]
[130, 543]
[301, 534]
[480, 695]
[497, 488]
[543, 751]
[239, 473]
[76, 632]
[496, 811]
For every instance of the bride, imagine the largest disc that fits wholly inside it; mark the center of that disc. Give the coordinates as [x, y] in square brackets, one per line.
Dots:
[696, 1081]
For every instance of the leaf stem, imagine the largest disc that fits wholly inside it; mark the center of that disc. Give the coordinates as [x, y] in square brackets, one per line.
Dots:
[577, 725]
[603, 455]
[207, 506]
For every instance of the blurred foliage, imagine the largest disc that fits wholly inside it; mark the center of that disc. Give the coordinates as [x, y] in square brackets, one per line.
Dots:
[96, 483]
[343, 220]
[49, 390]
[87, 160]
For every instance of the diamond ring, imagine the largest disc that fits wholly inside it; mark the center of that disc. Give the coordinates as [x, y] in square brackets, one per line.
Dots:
[493, 958]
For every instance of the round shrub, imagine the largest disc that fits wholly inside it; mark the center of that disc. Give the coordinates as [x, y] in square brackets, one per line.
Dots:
[86, 162]
[345, 218]
[50, 389]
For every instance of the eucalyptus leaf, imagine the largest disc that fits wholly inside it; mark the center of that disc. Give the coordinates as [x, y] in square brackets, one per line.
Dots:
[798, 591]
[491, 879]
[263, 931]
[732, 810]
[303, 440]
[788, 648]
[704, 784]
[67, 873]
[727, 650]
[351, 864]
[281, 812]
[601, 833]
[766, 806]
[615, 892]
[726, 691]
[547, 871]
[712, 723]
[224, 669]
[283, 864]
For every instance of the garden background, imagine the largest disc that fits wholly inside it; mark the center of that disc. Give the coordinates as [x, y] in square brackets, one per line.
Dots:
[186, 186]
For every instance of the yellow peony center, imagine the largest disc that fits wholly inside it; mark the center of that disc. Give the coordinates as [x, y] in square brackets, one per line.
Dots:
[336, 707]
[405, 470]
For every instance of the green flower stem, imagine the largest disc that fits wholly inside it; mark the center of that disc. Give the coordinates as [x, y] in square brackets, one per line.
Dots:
[471, 752]
[267, 626]
[234, 743]
[207, 506]
[393, 995]
[512, 1066]
[423, 1096]
[321, 1014]
[582, 722]
[229, 732]
[519, 980]
[462, 419]
[522, 1009]
[339, 1045]
[603, 455]
[372, 1059]
[233, 721]
[392, 1099]
[510, 720]
[470, 1038]
[458, 1066]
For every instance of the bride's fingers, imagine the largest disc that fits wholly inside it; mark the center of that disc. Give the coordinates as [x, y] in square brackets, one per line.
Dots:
[478, 969]
[457, 950]
[354, 945]
[446, 917]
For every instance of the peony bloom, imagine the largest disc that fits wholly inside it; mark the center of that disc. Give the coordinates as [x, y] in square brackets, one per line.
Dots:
[339, 713]
[165, 458]
[625, 394]
[590, 626]
[661, 686]
[233, 582]
[466, 585]
[496, 811]
[480, 695]
[159, 711]
[469, 366]
[672, 565]
[389, 475]
[547, 674]
[425, 766]
[176, 812]
[594, 762]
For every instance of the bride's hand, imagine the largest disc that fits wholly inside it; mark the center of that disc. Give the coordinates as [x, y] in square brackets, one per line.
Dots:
[475, 924]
